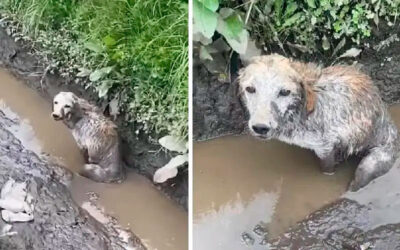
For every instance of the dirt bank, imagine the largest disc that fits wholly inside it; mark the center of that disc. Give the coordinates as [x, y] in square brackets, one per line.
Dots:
[139, 153]
[58, 222]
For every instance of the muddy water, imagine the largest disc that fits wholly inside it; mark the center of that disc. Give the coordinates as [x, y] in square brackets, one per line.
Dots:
[136, 204]
[240, 182]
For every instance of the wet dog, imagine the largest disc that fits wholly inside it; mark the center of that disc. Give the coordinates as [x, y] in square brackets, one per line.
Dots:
[334, 111]
[94, 134]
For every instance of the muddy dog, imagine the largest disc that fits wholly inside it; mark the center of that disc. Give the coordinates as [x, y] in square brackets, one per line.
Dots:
[95, 135]
[334, 111]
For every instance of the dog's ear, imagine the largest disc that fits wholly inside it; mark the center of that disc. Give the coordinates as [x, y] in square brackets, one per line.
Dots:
[308, 75]
[310, 97]
[74, 98]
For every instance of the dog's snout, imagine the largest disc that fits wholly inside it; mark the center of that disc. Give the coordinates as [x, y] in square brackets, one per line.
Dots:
[260, 129]
[55, 116]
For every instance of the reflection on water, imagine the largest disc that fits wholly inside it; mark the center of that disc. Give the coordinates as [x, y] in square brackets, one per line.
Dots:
[222, 228]
[137, 205]
[276, 183]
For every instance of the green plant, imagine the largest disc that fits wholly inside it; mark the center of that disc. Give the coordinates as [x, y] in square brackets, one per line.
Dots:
[310, 26]
[226, 21]
[133, 53]
[320, 25]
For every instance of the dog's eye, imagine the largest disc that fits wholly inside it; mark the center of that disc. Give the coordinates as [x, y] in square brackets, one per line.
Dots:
[56, 102]
[67, 106]
[251, 90]
[284, 92]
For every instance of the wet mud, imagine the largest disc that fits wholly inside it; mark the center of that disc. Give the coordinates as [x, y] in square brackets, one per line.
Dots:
[136, 205]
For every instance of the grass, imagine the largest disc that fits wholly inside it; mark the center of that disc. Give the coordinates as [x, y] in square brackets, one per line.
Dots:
[132, 51]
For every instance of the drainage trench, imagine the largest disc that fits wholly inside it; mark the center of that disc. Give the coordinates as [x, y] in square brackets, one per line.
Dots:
[136, 203]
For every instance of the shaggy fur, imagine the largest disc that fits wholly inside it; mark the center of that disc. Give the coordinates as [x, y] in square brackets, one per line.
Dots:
[334, 111]
[94, 134]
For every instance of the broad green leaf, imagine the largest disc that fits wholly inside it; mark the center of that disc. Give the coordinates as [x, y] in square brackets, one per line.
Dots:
[311, 3]
[170, 170]
[238, 43]
[204, 19]
[234, 25]
[100, 73]
[226, 12]
[204, 54]
[103, 88]
[173, 143]
[199, 37]
[93, 47]
[291, 20]
[83, 72]
[278, 5]
[210, 4]
[290, 9]
[109, 41]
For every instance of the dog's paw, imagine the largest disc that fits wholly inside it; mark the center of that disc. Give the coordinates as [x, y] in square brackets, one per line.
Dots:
[329, 173]
[354, 186]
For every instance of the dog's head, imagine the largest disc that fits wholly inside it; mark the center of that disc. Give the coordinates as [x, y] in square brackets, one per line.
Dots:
[64, 104]
[275, 93]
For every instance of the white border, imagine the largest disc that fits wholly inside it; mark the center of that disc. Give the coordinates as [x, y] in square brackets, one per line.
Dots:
[190, 85]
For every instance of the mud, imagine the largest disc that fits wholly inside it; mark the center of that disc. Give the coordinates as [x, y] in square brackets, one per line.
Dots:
[139, 153]
[368, 217]
[135, 204]
[58, 222]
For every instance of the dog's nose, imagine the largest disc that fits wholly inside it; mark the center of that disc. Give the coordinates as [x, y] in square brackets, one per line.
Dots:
[55, 116]
[260, 129]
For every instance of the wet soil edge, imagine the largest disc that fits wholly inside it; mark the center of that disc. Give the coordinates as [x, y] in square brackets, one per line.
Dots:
[139, 153]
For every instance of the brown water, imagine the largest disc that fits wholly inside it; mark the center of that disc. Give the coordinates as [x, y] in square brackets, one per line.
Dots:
[137, 205]
[240, 182]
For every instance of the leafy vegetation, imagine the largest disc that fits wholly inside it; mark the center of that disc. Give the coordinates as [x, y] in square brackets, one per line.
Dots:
[309, 26]
[134, 53]
[320, 25]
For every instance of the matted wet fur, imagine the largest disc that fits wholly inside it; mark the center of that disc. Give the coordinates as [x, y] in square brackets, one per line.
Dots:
[94, 134]
[334, 111]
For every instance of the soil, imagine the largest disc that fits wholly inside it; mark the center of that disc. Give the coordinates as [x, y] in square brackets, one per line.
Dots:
[58, 222]
[139, 153]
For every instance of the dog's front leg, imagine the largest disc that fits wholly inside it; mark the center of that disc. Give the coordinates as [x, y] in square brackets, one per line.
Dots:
[329, 159]
[93, 154]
